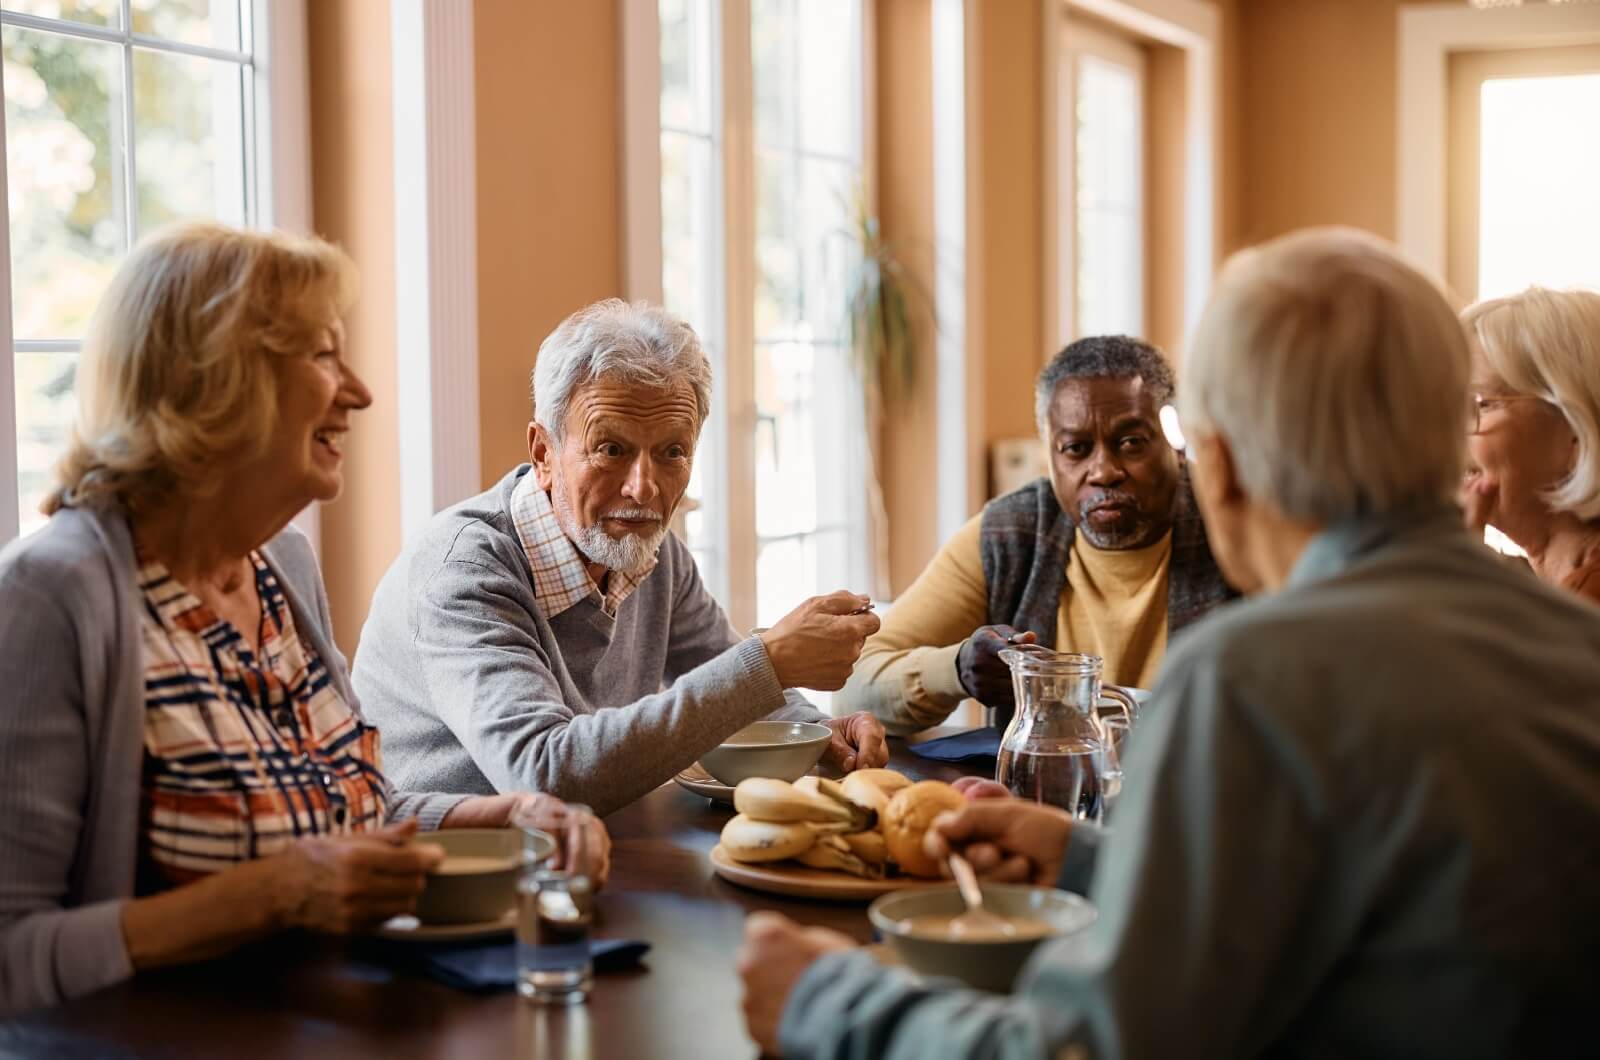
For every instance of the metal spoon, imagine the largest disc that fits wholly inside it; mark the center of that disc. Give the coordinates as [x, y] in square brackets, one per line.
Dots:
[976, 920]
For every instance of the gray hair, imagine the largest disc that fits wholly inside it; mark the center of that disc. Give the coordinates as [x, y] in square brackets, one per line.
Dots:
[1547, 343]
[640, 343]
[1103, 357]
[1338, 375]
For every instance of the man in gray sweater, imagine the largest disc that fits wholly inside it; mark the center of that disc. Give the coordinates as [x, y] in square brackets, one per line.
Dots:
[551, 634]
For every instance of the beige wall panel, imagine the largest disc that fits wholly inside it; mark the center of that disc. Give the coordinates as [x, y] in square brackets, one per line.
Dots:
[352, 147]
[549, 206]
[1012, 240]
[905, 197]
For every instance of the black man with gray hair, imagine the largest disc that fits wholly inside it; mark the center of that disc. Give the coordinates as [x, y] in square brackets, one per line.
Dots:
[1106, 556]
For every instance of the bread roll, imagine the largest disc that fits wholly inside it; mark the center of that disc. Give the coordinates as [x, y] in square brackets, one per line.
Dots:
[886, 780]
[906, 820]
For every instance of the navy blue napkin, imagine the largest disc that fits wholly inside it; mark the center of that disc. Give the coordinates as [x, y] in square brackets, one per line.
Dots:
[974, 745]
[484, 967]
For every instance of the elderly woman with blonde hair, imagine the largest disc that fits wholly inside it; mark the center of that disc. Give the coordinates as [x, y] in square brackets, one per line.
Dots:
[1360, 800]
[1535, 423]
[183, 765]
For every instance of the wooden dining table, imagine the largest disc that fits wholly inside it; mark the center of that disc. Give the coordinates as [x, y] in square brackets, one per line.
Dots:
[326, 998]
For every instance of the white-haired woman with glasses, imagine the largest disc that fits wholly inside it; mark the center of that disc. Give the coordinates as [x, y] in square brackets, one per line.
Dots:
[183, 765]
[1535, 423]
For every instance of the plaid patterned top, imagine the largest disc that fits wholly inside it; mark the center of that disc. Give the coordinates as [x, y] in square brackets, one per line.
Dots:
[560, 576]
[243, 752]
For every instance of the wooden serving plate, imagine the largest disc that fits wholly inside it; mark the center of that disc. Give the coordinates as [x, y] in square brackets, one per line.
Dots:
[799, 881]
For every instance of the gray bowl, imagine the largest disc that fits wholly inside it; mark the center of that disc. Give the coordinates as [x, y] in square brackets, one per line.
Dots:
[985, 965]
[483, 888]
[785, 750]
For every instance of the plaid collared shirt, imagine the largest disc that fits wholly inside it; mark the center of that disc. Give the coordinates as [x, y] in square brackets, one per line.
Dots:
[560, 576]
[244, 752]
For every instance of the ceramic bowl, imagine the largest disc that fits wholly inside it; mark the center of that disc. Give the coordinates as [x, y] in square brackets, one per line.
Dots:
[985, 965]
[477, 880]
[783, 749]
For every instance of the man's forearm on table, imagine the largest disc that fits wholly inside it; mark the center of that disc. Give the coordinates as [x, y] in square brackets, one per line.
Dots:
[611, 757]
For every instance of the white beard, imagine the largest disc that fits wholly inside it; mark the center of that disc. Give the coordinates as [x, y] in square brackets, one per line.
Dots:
[628, 554]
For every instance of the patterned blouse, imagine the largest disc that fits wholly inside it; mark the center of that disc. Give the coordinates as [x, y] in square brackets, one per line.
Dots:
[243, 752]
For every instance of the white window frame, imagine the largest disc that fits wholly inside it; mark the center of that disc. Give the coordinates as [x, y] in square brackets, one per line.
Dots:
[277, 170]
[729, 500]
[1080, 41]
[1196, 29]
[1429, 34]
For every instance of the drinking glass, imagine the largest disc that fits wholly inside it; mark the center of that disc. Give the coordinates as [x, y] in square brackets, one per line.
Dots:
[1114, 731]
[555, 908]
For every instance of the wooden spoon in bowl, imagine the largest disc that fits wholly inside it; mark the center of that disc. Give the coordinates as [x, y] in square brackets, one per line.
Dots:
[976, 922]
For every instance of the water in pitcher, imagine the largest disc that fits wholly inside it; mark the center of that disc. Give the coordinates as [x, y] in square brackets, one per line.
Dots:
[1064, 774]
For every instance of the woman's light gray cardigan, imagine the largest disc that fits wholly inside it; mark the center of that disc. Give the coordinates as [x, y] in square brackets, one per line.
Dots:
[72, 745]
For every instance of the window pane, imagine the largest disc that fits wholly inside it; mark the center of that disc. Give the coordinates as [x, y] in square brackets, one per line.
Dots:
[772, 58]
[778, 247]
[1538, 223]
[188, 116]
[1110, 251]
[210, 23]
[687, 270]
[827, 252]
[786, 467]
[686, 65]
[829, 68]
[64, 159]
[46, 407]
[95, 12]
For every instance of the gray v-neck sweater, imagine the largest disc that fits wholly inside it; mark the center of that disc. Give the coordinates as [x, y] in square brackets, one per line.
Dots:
[475, 689]
[72, 745]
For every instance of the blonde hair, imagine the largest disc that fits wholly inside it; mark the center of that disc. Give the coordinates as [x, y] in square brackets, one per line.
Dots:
[1547, 343]
[175, 381]
[1338, 375]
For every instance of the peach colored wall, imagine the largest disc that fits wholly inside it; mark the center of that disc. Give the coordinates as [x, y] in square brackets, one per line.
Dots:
[1317, 108]
[352, 146]
[549, 206]
[905, 203]
[1011, 174]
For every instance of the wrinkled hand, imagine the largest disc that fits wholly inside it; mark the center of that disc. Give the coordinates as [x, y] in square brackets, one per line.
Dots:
[858, 743]
[775, 954]
[1007, 840]
[547, 813]
[816, 644]
[978, 665]
[582, 834]
[1478, 497]
[344, 884]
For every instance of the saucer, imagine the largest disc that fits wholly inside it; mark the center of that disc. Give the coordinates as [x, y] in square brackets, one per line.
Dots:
[697, 780]
[410, 928]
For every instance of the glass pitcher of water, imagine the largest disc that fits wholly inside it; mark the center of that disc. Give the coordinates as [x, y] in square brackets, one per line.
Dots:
[1056, 749]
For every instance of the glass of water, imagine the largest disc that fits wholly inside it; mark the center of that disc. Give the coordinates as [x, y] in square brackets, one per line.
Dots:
[555, 908]
[1113, 745]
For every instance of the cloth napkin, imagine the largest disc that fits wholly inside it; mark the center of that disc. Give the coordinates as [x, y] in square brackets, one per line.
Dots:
[485, 967]
[974, 745]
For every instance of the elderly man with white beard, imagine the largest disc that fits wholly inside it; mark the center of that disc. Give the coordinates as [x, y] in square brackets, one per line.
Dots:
[551, 634]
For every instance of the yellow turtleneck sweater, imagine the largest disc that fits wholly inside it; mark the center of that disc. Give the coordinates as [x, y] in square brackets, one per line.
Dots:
[1114, 605]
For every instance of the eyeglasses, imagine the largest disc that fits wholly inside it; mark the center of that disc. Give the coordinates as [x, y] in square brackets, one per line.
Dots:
[1478, 404]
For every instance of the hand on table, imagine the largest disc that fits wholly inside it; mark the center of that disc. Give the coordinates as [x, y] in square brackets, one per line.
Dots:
[775, 954]
[978, 666]
[858, 743]
[527, 809]
[344, 884]
[817, 644]
[1005, 839]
